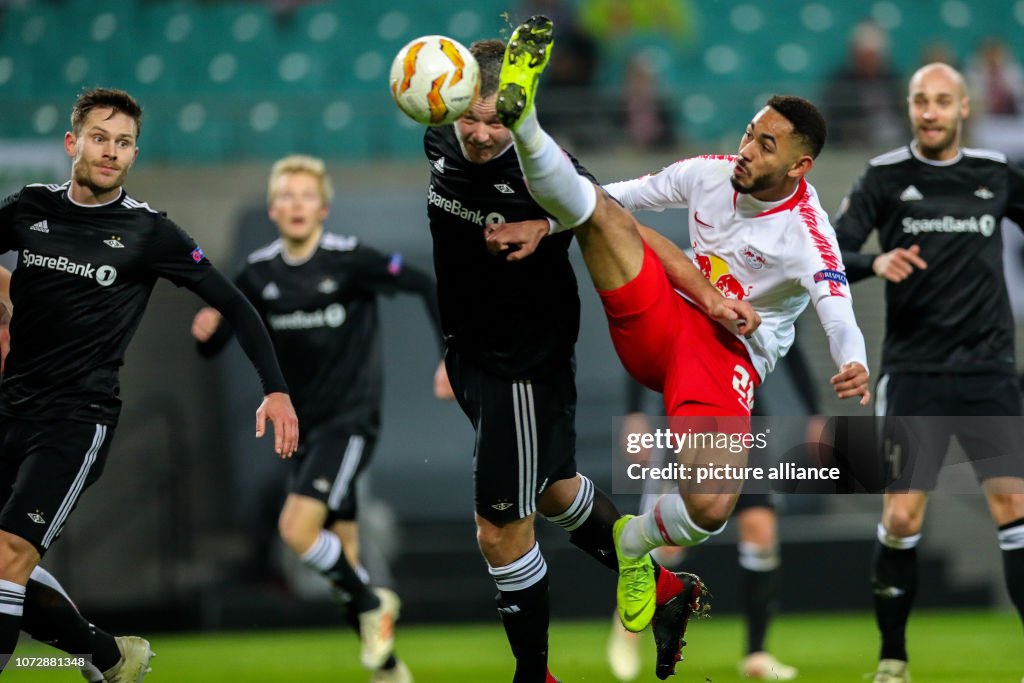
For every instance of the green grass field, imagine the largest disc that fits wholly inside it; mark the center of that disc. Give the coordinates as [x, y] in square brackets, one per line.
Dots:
[946, 647]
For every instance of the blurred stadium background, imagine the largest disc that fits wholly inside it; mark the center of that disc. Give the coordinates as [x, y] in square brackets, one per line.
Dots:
[178, 535]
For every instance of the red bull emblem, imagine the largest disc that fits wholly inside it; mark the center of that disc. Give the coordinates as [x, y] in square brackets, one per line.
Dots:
[754, 258]
[717, 272]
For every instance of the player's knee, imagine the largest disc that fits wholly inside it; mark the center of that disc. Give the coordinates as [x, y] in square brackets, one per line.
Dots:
[901, 522]
[710, 513]
[17, 558]
[608, 214]
[297, 533]
[499, 539]
[1006, 507]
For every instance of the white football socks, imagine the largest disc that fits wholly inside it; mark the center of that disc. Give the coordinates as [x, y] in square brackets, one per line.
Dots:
[667, 523]
[551, 176]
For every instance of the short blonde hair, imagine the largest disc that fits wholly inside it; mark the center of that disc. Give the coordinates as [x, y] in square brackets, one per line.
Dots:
[301, 163]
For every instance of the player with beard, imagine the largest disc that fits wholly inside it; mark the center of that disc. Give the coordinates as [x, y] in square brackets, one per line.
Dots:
[948, 349]
[89, 256]
[510, 333]
[759, 236]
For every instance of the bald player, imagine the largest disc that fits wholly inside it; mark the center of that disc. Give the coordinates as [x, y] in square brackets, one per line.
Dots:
[948, 346]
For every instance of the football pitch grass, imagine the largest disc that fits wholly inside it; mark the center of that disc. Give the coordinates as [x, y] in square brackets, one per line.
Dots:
[946, 647]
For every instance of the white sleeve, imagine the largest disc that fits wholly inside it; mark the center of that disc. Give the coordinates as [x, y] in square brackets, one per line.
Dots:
[845, 340]
[666, 189]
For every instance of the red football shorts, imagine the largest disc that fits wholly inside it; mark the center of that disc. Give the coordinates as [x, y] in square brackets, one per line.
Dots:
[667, 344]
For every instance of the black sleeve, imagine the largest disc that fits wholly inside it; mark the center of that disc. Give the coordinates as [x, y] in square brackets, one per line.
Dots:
[856, 218]
[220, 338]
[219, 292]
[388, 274]
[1015, 207]
[174, 255]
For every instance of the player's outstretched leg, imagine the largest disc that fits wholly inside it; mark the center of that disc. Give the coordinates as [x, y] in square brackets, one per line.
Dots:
[553, 180]
[526, 56]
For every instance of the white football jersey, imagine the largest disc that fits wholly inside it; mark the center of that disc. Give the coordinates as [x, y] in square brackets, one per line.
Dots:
[778, 256]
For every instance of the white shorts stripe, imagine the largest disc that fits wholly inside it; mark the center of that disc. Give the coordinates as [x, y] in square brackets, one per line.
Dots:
[881, 396]
[520, 447]
[526, 444]
[531, 494]
[347, 470]
[77, 485]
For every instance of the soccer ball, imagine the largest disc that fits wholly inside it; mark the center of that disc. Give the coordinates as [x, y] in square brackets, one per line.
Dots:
[434, 80]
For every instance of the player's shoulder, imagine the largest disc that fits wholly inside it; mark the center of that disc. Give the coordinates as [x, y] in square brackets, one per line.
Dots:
[809, 218]
[42, 194]
[705, 161]
[132, 204]
[335, 243]
[891, 158]
[267, 252]
[46, 189]
[984, 155]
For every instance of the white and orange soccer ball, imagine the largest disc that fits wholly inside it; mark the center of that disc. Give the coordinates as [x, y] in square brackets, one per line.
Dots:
[434, 80]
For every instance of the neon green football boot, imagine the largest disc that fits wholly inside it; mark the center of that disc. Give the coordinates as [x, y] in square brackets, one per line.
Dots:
[636, 590]
[526, 55]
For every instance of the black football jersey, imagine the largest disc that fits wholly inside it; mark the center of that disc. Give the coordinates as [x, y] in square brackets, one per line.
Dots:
[953, 316]
[515, 319]
[84, 277]
[322, 317]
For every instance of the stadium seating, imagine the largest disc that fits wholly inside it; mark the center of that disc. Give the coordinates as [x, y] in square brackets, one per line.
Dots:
[316, 76]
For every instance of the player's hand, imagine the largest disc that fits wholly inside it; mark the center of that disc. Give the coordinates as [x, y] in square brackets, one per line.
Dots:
[277, 407]
[205, 323]
[898, 264]
[851, 381]
[442, 387]
[516, 240]
[737, 316]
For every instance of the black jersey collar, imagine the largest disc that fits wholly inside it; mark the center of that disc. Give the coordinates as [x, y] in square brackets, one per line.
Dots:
[932, 162]
[118, 198]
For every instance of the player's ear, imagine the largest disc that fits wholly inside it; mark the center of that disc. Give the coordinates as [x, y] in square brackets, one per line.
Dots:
[69, 144]
[801, 167]
[325, 211]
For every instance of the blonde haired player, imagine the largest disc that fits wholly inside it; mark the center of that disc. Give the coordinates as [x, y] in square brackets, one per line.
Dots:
[317, 293]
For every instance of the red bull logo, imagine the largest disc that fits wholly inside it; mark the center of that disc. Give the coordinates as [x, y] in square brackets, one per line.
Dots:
[717, 272]
[754, 258]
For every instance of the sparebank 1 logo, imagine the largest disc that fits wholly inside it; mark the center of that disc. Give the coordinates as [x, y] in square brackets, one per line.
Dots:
[105, 275]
